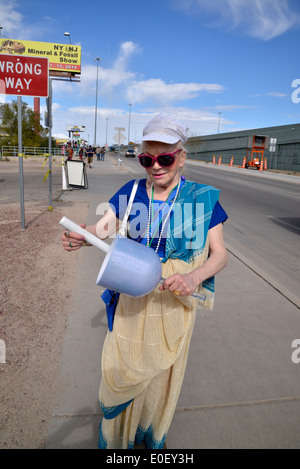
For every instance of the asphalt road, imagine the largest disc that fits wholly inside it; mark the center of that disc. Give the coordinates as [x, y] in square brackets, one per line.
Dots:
[264, 220]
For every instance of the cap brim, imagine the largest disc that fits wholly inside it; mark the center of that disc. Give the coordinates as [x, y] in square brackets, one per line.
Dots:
[156, 137]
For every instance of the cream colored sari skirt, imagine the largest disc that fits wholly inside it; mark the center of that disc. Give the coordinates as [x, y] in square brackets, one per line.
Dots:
[143, 364]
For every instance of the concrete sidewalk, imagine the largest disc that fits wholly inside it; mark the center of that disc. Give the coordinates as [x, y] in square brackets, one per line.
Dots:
[241, 388]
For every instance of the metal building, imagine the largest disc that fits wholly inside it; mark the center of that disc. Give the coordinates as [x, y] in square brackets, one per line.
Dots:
[238, 144]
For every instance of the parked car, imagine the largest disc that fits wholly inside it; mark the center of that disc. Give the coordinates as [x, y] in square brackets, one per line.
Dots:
[130, 153]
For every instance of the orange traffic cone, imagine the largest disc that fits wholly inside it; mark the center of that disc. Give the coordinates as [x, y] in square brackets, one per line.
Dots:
[261, 165]
[244, 163]
[265, 164]
[220, 160]
[231, 162]
[214, 159]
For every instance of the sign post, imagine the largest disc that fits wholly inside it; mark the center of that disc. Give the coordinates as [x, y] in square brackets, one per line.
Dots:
[23, 76]
[50, 143]
[119, 138]
[21, 178]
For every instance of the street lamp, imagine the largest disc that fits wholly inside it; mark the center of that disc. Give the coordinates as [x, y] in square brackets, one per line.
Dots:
[97, 59]
[219, 122]
[1, 27]
[129, 123]
[106, 129]
[69, 36]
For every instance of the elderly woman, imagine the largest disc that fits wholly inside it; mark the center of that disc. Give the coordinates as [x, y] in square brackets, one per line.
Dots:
[144, 356]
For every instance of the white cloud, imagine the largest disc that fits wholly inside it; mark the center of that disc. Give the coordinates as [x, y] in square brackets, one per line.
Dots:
[16, 25]
[198, 121]
[127, 49]
[161, 92]
[108, 78]
[264, 19]
[11, 19]
[231, 107]
[118, 81]
[275, 94]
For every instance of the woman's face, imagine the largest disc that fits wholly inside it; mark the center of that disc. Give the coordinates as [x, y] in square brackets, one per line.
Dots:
[164, 176]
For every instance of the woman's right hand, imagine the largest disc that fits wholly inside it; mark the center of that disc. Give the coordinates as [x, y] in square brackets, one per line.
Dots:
[72, 241]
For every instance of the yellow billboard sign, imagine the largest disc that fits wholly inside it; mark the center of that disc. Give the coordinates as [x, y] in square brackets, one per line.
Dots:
[62, 57]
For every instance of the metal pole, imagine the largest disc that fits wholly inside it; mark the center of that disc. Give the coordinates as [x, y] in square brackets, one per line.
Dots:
[106, 129]
[119, 159]
[129, 124]
[95, 132]
[50, 144]
[21, 178]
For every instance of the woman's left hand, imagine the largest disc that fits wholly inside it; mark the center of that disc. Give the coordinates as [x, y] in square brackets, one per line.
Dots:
[180, 284]
[72, 241]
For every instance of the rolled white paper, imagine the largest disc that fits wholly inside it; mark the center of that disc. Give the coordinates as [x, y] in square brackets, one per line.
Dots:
[89, 237]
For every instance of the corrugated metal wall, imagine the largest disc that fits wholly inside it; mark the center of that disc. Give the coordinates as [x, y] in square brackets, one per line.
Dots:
[286, 156]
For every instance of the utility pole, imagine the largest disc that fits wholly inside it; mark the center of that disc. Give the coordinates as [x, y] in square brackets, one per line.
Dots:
[97, 59]
[129, 123]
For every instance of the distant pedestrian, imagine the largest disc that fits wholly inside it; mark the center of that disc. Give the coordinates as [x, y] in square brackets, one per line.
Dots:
[69, 151]
[90, 155]
[102, 153]
[98, 152]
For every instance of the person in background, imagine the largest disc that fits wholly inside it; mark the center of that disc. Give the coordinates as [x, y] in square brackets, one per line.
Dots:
[90, 156]
[102, 153]
[69, 151]
[145, 354]
[98, 151]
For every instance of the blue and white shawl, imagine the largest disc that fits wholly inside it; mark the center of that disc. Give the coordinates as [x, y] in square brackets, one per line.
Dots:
[189, 224]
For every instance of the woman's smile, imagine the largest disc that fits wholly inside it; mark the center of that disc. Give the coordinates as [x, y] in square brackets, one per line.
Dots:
[158, 175]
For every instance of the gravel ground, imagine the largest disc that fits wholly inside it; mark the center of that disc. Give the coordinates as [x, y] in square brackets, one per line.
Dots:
[35, 301]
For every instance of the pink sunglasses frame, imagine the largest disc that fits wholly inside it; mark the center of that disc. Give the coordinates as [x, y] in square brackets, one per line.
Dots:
[155, 158]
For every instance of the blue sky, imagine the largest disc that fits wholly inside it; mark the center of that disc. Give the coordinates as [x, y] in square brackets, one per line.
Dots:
[193, 59]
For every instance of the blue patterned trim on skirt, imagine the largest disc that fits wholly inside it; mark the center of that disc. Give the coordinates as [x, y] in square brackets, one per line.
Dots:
[112, 412]
[141, 435]
[102, 443]
[148, 435]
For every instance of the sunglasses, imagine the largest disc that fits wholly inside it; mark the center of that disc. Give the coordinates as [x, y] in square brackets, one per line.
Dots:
[165, 159]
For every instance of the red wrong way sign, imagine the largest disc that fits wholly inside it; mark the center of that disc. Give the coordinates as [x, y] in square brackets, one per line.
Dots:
[24, 76]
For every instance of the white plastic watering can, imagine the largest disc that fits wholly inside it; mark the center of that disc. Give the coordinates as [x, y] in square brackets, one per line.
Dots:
[128, 267]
